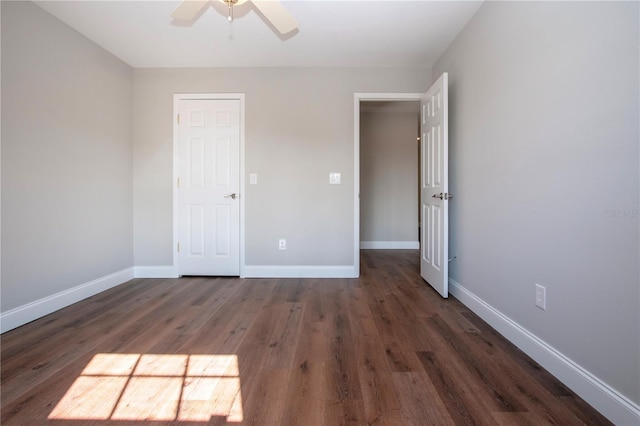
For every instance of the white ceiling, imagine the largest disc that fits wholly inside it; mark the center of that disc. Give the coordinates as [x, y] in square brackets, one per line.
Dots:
[346, 33]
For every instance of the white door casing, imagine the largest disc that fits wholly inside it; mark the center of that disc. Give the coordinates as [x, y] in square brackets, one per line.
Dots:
[208, 187]
[434, 187]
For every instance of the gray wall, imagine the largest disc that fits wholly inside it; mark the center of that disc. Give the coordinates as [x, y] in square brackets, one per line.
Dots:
[388, 174]
[299, 128]
[66, 158]
[544, 167]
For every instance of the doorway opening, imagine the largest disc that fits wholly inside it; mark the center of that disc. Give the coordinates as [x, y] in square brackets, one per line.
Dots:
[389, 174]
[387, 129]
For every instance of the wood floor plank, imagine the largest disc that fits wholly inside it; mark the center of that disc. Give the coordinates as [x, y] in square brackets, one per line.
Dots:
[492, 337]
[457, 395]
[520, 419]
[420, 402]
[305, 393]
[35, 405]
[380, 401]
[344, 412]
[481, 367]
[393, 334]
[342, 382]
[266, 400]
[383, 349]
[40, 361]
[284, 339]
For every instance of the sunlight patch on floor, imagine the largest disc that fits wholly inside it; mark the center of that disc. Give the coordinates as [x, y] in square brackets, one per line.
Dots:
[158, 387]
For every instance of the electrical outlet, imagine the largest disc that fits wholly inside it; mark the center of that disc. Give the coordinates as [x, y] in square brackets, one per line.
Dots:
[282, 244]
[541, 296]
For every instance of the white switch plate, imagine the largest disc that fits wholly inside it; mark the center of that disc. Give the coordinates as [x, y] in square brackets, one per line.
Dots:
[334, 178]
[282, 244]
[253, 179]
[541, 296]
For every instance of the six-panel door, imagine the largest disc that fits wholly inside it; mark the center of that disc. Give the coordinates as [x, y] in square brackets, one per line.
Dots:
[208, 206]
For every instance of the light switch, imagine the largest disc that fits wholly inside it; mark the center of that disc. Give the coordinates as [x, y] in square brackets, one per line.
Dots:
[253, 179]
[334, 178]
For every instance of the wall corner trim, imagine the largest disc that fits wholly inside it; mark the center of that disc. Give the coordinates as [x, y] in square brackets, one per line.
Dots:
[613, 405]
[31, 311]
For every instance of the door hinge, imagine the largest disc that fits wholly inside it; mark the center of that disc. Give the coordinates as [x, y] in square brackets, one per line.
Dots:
[178, 247]
[178, 119]
[178, 183]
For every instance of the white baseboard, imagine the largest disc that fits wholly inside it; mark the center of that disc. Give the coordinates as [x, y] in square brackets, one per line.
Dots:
[155, 272]
[31, 311]
[260, 271]
[285, 271]
[616, 407]
[389, 245]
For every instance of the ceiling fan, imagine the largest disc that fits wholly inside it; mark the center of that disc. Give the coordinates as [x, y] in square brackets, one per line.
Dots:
[272, 10]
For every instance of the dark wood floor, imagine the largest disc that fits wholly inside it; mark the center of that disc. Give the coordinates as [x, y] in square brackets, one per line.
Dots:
[383, 349]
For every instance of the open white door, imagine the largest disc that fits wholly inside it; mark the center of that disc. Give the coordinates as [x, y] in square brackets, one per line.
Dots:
[209, 187]
[434, 187]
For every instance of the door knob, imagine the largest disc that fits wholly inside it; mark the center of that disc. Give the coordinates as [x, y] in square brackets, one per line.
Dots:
[232, 196]
[445, 196]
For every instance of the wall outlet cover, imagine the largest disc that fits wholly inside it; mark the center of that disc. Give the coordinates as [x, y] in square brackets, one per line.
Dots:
[541, 296]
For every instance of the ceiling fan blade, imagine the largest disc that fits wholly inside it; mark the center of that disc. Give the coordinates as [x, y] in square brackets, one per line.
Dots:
[188, 9]
[275, 13]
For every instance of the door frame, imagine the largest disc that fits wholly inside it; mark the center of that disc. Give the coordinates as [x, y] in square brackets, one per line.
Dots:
[177, 97]
[357, 98]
